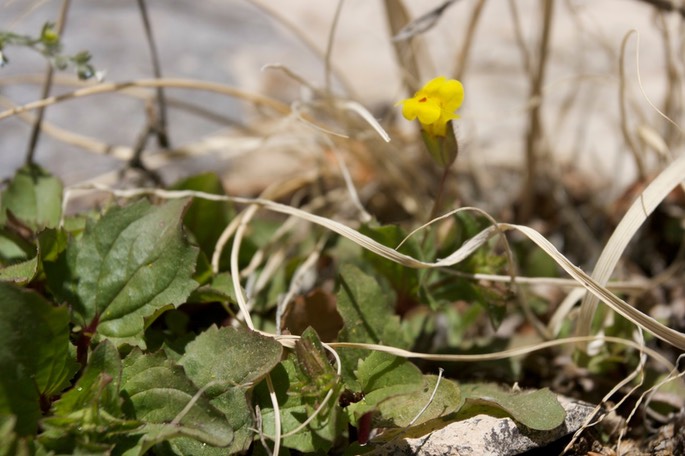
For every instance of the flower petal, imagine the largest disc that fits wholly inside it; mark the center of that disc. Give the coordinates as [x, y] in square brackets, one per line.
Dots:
[432, 87]
[452, 94]
[429, 111]
[410, 108]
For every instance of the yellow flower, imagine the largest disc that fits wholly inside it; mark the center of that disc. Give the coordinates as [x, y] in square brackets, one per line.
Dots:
[434, 105]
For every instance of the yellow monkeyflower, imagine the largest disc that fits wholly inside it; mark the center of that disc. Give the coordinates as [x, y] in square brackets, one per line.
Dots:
[434, 105]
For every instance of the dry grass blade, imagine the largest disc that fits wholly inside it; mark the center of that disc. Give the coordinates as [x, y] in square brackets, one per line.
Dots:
[289, 341]
[638, 212]
[423, 23]
[628, 137]
[192, 84]
[398, 17]
[638, 318]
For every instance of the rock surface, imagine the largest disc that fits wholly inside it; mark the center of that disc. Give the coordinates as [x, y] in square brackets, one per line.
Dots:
[487, 435]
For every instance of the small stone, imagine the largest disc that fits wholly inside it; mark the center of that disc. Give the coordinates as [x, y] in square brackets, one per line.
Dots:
[487, 435]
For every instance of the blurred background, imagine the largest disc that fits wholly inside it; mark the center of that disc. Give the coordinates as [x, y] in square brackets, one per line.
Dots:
[231, 41]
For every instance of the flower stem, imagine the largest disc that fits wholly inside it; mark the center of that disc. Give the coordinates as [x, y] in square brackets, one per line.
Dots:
[438, 200]
[438, 197]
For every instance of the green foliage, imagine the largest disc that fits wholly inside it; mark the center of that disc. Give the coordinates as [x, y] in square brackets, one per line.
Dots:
[538, 409]
[129, 265]
[88, 417]
[34, 198]
[368, 316]
[157, 391]
[35, 359]
[404, 281]
[301, 383]
[396, 392]
[48, 44]
[223, 358]
[206, 219]
[122, 351]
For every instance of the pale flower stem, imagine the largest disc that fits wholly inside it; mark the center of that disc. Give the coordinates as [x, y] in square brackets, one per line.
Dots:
[438, 200]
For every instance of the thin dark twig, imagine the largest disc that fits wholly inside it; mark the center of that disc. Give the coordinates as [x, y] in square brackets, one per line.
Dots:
[462, 60]
[534, 133]
[161, 124]
[520, 41]
[47, 86]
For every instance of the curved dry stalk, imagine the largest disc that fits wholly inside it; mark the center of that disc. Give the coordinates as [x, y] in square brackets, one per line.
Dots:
[587, 423]
[659, 330]
[192, 84]
[642, 89]
[636, 215]
[243, 221]
[622, 95]
[494, 356]
[277, 415]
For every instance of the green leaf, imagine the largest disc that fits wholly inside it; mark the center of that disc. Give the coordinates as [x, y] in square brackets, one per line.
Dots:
[232, 361]
[229, 357]
[382, 376]
[295, 408]
[367, 310]
[90, 413]
[537, 409]
[13, 247]
[50, 243]
[317, 374]
[34, 354]
[405, 281]
[158, 393]
[127, 266]
[368, 315]
[34, 197]
[206, 219]
[401, 410]
[220, 289]
[20, 273]
[98, 385]
[239, 416]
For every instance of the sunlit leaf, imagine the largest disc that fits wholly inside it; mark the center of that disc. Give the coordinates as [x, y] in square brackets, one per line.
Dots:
[34, 197]
[158, 393]
[382, 376]
[228, 357]
[127, 266]
[538, 409]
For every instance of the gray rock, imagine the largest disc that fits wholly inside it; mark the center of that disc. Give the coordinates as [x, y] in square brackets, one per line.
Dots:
[487, 435]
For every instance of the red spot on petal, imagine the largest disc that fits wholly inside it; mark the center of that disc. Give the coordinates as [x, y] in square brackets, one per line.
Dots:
[423, 100]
